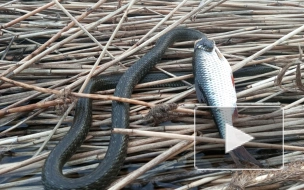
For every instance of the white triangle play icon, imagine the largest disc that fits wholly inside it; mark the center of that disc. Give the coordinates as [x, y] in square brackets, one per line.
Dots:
[235, 138]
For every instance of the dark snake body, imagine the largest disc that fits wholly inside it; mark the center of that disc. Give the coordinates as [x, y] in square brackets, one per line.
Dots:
[102, 176]
[105, 172]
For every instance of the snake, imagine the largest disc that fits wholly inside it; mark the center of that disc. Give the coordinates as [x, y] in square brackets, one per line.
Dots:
[108, 168]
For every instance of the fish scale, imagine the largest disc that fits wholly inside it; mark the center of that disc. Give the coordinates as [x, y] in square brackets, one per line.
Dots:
[213, 73]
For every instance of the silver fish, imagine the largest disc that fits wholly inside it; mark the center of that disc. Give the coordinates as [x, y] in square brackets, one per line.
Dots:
[214, 85]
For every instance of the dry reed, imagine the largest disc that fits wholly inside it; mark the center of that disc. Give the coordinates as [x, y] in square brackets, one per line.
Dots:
[50, 49]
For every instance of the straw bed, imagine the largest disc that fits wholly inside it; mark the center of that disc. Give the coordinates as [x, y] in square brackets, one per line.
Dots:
[50, 49]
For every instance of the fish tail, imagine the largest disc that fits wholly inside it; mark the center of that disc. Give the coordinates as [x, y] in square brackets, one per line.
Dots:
[240, 154]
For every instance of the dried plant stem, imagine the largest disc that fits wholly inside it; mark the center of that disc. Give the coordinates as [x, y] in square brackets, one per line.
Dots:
[82, 28]
[21, 122]
[24, 163]
[93, 96]
[159, 24]
[201, 139]
[88, 77]
[132, 176]
[19, 19]
[269, 47]
[13, 71]
[55, 128]
[201, 182]
[34, 106]
[7, 3]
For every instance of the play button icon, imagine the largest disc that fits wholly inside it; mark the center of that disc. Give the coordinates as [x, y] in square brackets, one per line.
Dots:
[235, 138]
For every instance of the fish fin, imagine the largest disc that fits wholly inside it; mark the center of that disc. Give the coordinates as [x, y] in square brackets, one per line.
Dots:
[235, 115]
[232, 80]
[199, 93]
[240, 154]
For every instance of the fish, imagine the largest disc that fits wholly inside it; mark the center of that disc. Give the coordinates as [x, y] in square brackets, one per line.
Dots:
[214, 85]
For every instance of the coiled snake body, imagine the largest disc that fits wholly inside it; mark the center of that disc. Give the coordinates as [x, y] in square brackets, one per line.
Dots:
[104, 173]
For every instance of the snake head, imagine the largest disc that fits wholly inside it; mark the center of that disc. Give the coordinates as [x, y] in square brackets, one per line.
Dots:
[204, 44]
